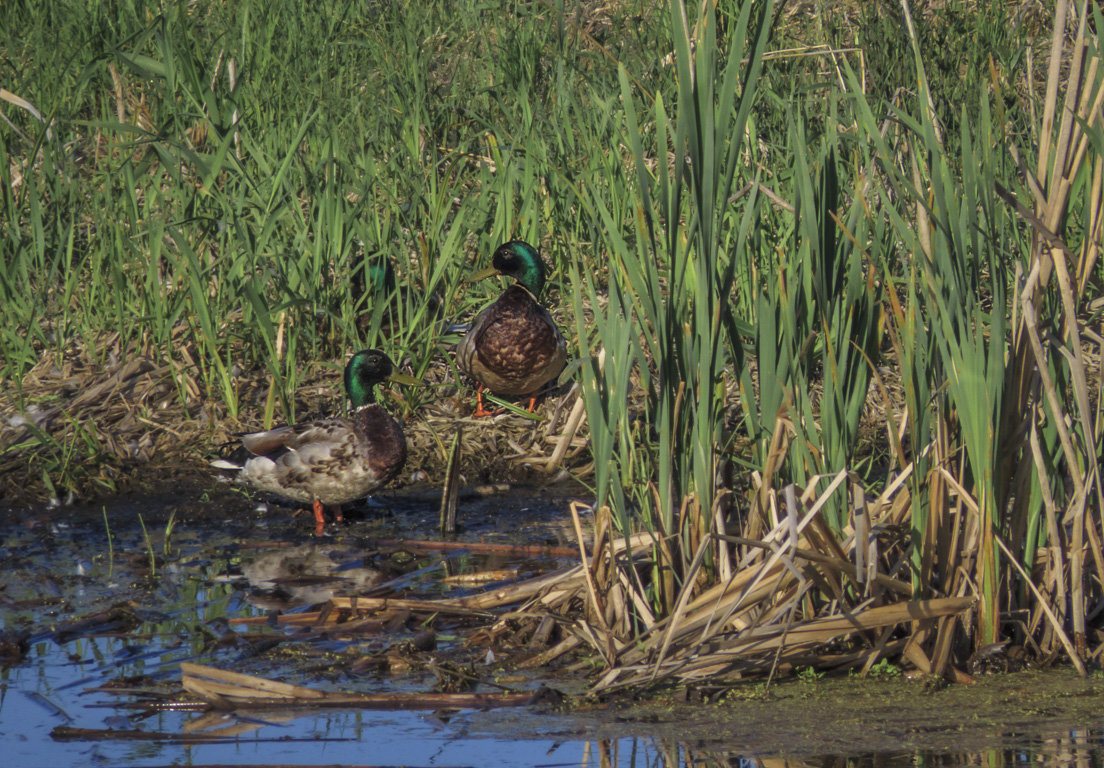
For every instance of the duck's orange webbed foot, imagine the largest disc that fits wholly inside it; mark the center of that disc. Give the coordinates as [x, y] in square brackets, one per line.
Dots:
[319, 519]
[480, 409]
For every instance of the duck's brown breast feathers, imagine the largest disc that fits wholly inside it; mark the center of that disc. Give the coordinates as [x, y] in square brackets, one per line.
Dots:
[387, 444]
[516, 337]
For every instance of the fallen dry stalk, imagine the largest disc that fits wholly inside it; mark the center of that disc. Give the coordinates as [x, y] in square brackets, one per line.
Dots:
[380, 604]
[233, 690]
[477, 547]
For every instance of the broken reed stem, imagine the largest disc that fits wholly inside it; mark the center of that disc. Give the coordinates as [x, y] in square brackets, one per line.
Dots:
[476, 547]
[592, 591]
[270, 400]
[571, 428]
[451, 491]
[399, 604]
[1055, 624]
[231, 690]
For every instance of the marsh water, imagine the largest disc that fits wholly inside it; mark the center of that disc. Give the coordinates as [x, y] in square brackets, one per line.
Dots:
[104, 603]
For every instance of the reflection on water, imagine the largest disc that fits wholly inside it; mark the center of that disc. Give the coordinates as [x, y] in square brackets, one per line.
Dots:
[1075, 749]
[107, 612]
[306, 574]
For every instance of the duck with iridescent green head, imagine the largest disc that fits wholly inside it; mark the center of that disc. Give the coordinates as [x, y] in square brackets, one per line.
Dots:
[332, 461]
[513, 346]
[379, 301]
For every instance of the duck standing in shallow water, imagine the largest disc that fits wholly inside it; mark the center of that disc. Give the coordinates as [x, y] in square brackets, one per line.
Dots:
[513, 346]
[332, 461]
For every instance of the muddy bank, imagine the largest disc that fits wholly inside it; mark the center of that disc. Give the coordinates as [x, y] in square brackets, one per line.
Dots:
[845, 716]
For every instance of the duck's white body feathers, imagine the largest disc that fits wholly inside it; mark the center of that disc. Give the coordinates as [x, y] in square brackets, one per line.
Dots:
[333, 461]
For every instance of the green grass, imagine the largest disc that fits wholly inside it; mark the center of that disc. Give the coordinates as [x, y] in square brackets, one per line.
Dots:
[207, 178]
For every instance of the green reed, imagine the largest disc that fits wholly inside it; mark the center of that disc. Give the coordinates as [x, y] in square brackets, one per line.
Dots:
[669, 278]
[956, 316]
[915, 257]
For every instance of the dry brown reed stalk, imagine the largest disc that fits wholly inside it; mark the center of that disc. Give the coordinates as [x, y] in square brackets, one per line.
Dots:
[1074, 655]
[380, 604]
[476, 547]
[568, 437]
[230, 690]
[766, 616]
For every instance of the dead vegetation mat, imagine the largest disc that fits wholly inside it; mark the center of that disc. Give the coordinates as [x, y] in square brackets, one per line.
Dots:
[95, 421]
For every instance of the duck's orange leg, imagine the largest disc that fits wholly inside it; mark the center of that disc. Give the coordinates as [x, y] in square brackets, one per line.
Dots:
[480, 410]
[532, 402]
[319, 518]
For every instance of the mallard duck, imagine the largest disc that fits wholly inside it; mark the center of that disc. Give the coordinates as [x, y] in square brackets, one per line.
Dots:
[377, 300]
[332, 461]
[513, 346]
[374, 294]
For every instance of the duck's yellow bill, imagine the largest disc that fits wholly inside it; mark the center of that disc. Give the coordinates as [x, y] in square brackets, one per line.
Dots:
[482, 274]
[402, 378]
